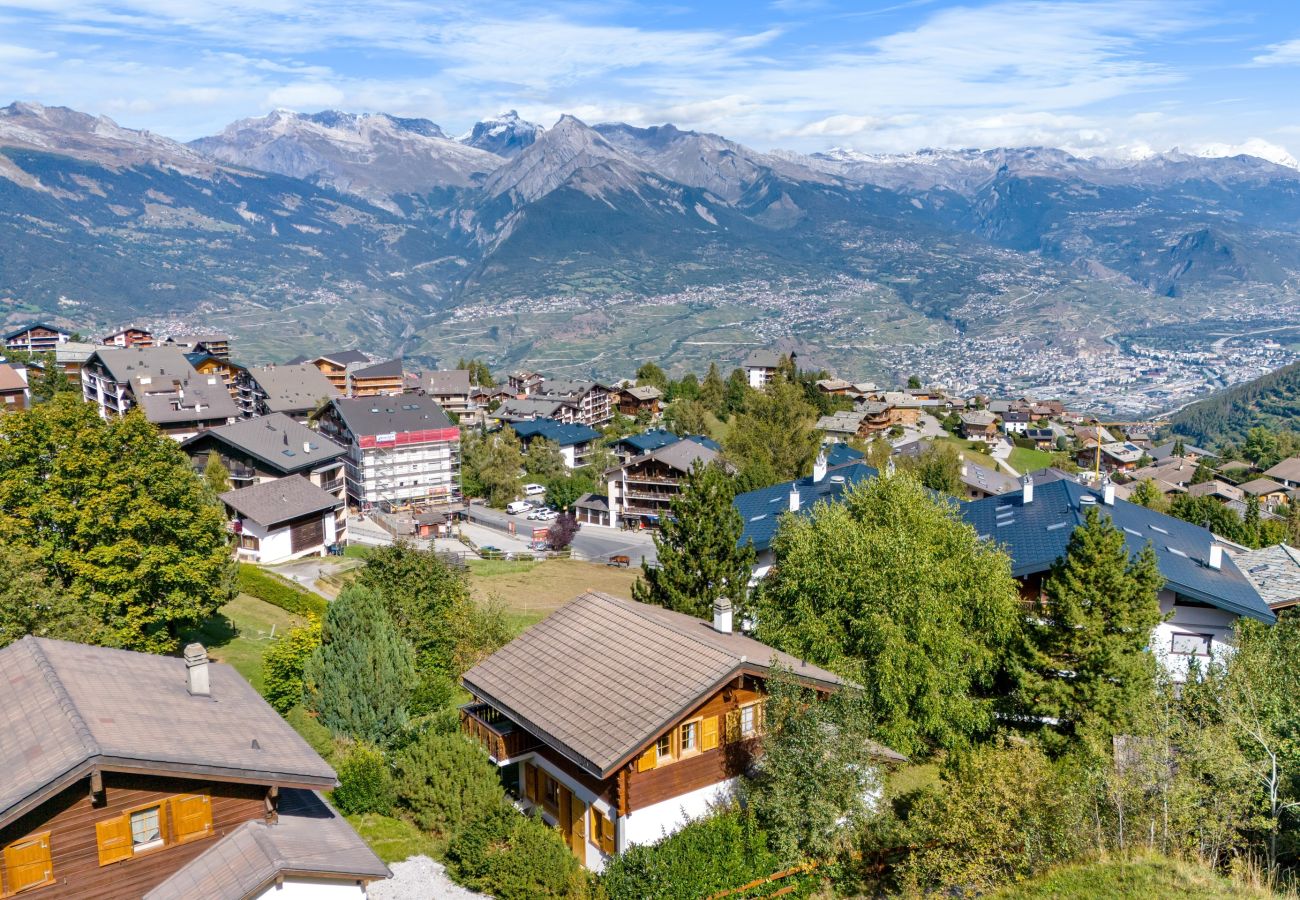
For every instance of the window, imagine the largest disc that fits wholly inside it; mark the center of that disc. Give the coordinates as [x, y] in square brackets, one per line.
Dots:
[688, 737]
[551, 792]
[748, 720]
[1191, 644]
[248, 542]
[27, 863]
[602, 832]
[664, 749]
[146, 828]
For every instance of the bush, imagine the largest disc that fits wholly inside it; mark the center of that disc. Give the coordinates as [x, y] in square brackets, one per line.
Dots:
[365, 782]
[446, 783]
[516, 857]
[276, 591]
[708, 855]
[283, 662]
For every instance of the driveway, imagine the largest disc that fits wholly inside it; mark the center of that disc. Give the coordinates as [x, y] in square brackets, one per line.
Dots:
[592, 542]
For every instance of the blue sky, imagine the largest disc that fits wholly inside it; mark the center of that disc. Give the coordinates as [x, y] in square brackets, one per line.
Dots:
[1111, 76]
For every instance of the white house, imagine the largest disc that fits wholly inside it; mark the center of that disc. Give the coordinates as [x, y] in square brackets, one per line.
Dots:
[283, 519]
[760, 367]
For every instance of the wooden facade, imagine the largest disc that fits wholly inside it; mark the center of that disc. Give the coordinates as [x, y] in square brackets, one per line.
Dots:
[89, 840]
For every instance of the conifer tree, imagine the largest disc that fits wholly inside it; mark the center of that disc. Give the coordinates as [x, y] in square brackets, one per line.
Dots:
[713, 390]
[698, 548]
[359, 680]
[1087, 665]
[215, 474]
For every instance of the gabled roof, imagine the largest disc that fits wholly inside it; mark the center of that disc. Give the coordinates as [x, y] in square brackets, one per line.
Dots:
[762, 509]
[1261, 486]
[648, 392]
[601, 677]
[69, 707]
[563, 433]
[191, 399]
[30, 326]
[284, 444]
[704, 441]
[1166, 450]
[978, 419]
[990, 481]
[1037, 534]
[649, 440]
[1286, 470]
[1275, 573]
[309, 838]
[762, 359]
[679, 455]
[273, 502]
[449, 381]
[529, 408]
[10, 379]
[370, 416]
[388, 368]
[341, 357]
[293, 388]
[839, 454]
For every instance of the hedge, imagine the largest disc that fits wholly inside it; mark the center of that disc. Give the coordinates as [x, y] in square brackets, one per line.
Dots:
[276, 591]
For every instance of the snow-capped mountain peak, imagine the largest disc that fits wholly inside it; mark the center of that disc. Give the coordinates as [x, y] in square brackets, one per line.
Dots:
[505, 135]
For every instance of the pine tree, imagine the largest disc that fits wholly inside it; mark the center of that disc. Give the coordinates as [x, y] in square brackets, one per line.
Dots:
[698, 547]
[1179, 449]
[713, 390]
[359, 680]
[1250, 522]
[215, 474]
[1087, 665]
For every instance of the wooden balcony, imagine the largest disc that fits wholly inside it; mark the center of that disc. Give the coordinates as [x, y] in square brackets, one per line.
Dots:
[500, 737]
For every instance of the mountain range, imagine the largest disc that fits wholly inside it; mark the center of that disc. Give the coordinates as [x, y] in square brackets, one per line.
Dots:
[385, 230]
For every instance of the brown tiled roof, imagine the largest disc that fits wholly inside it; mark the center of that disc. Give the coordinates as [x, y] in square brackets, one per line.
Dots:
[310, 839]
[272, 502]
[1287, 469]
[600, 677]
[1261, 486]
[67, 707]
[10, 380]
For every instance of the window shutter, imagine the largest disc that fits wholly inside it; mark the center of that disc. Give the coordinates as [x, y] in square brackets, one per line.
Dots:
[648, 760]
[114, 839]
[733, 725]
[28, 863]
[191, 817]
[530, 782]
[760, 709]
[709, 733]
[607, 837]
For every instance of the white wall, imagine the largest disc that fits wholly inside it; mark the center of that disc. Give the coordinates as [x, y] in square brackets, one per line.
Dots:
[314, 889]
[276, 546]
[645, 826]
[1191, 620]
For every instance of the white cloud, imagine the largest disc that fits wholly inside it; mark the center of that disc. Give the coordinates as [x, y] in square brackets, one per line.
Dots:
[306, 95]
[1286, 53]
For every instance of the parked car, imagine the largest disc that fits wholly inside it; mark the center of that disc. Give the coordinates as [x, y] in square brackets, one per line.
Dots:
[547, 515]
[532, 489]
[518, 507]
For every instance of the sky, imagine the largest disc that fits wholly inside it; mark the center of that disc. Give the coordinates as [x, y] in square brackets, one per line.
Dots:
[1113, 77]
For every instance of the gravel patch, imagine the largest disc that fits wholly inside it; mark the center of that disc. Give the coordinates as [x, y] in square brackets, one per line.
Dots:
[421, 878]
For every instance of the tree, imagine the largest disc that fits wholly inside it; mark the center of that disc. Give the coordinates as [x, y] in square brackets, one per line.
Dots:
[359, 679]
[563, 492]
[491, 466]
[713, 389]
[811, 786]
[511, 856]
[892, 589]
[1088, 667]
[561, 532]
[938, 468]
[698, 546]
[737, 392]
[445, 782]
[544, 460]
[1211, 514]
[365, 782]
[1293, 523]
[1260, 447]
[1250, 521]
[479, 373]
[775, 434]
[1145, 493]
[283, 663]
[686, 388]
[1203, 473]
[1179, 448]
[120, 524]
[913, 383]
[31, 604]
[687, 417]
[651, 375]
[215, 474]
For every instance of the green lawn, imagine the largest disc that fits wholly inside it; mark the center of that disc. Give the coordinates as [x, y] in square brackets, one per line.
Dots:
[1151, 878]
[974, 451]
[240, 631]
[393, 840]
[1024, 460]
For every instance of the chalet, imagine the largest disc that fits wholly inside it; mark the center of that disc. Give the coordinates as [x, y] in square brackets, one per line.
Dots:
[14, 394]
[402, 452]
[635, 401]
[1286, 473]
[514, 409]
[1089, 436]
[648, 732]
[205, 363]
[1204, 594]
[70, 357]
[296, 391]
[451, 389]
[636, 444]
[1016, 421]
[128, 775]
[1116, 456]
[575, 441]
[36, 338]
[979, 426]
[1172, 470]
[761, 510]
[1043, 438]
[877, 417]
[128, 337]
[334, 366]
[1270, 494]
[843, 426]
[641, 489]
[276, 521]
[903, 408]
[592, 401]
[1217, 490]
[836, 387]
[525, 384]
[761, 367]
[980, 482]
[214, 343]
[375, 379]
[1164, 451]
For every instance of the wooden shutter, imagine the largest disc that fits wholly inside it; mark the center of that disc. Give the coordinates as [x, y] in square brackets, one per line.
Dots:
[114, 839]
[530, 782]
[709, 733]
[27, 863]
[759, 717]
[191, 817]
[648, 760]
[733, 725]
[602, 831]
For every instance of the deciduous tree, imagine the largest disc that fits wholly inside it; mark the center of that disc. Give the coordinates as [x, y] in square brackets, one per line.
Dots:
[283, 663]
[775, 434]
[544, 460]
[215, 474]
[687, 417]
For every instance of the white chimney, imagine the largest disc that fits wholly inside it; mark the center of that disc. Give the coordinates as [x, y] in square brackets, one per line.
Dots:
[794, 498]
[1108, 492]
[1027, 490]
[196, 671]
[1216, 557]
[722, 615]
[819, 465]
[306, 446]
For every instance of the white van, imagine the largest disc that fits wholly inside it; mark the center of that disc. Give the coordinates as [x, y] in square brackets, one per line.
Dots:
[518, 507]
[534, 490]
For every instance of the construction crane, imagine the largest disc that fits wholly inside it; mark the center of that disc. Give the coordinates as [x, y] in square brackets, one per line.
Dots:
[1150, 424]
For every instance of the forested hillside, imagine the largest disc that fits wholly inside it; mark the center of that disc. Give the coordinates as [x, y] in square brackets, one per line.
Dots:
[1272, 401]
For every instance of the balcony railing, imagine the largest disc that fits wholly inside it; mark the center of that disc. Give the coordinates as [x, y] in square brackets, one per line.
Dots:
[502, 738]
[332, 485]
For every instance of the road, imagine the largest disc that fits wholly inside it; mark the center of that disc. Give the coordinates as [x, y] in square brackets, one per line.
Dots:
[591, 542]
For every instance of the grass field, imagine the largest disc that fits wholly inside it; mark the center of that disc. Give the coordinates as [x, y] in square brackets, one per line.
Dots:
[240, 632]
[533, 590]
[1151, 878]
[393, 840]
[975, 451]
[1024, 460]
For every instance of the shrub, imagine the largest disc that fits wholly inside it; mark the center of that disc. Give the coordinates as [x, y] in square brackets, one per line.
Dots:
[446, 783]
[708, 855]
[283, 662]
[516, 857]
[276, 591]
[365, 782]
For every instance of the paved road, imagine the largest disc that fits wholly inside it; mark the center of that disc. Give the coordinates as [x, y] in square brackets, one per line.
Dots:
[592, 541]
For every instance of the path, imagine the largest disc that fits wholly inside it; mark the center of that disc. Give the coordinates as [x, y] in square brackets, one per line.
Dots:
[420, 878]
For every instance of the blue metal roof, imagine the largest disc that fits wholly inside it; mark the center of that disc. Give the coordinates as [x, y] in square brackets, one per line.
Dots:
[1036, 534]
[704, 441]
[839, 454]
[762, 509]
[563, 433]
[650, 440]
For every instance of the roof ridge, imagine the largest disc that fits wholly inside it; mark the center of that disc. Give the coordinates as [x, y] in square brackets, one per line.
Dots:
[61, 695]
[631, 606]
[264, 843]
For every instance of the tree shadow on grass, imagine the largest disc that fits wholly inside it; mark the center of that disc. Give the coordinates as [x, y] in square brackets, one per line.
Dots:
[218, 631]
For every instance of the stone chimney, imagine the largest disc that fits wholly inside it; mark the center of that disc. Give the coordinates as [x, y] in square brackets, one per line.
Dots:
[1215, 561]
[1108, 492]
[819, 465]
[722, 615]
[1027, 490]
[196, 671]
[794, 497]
